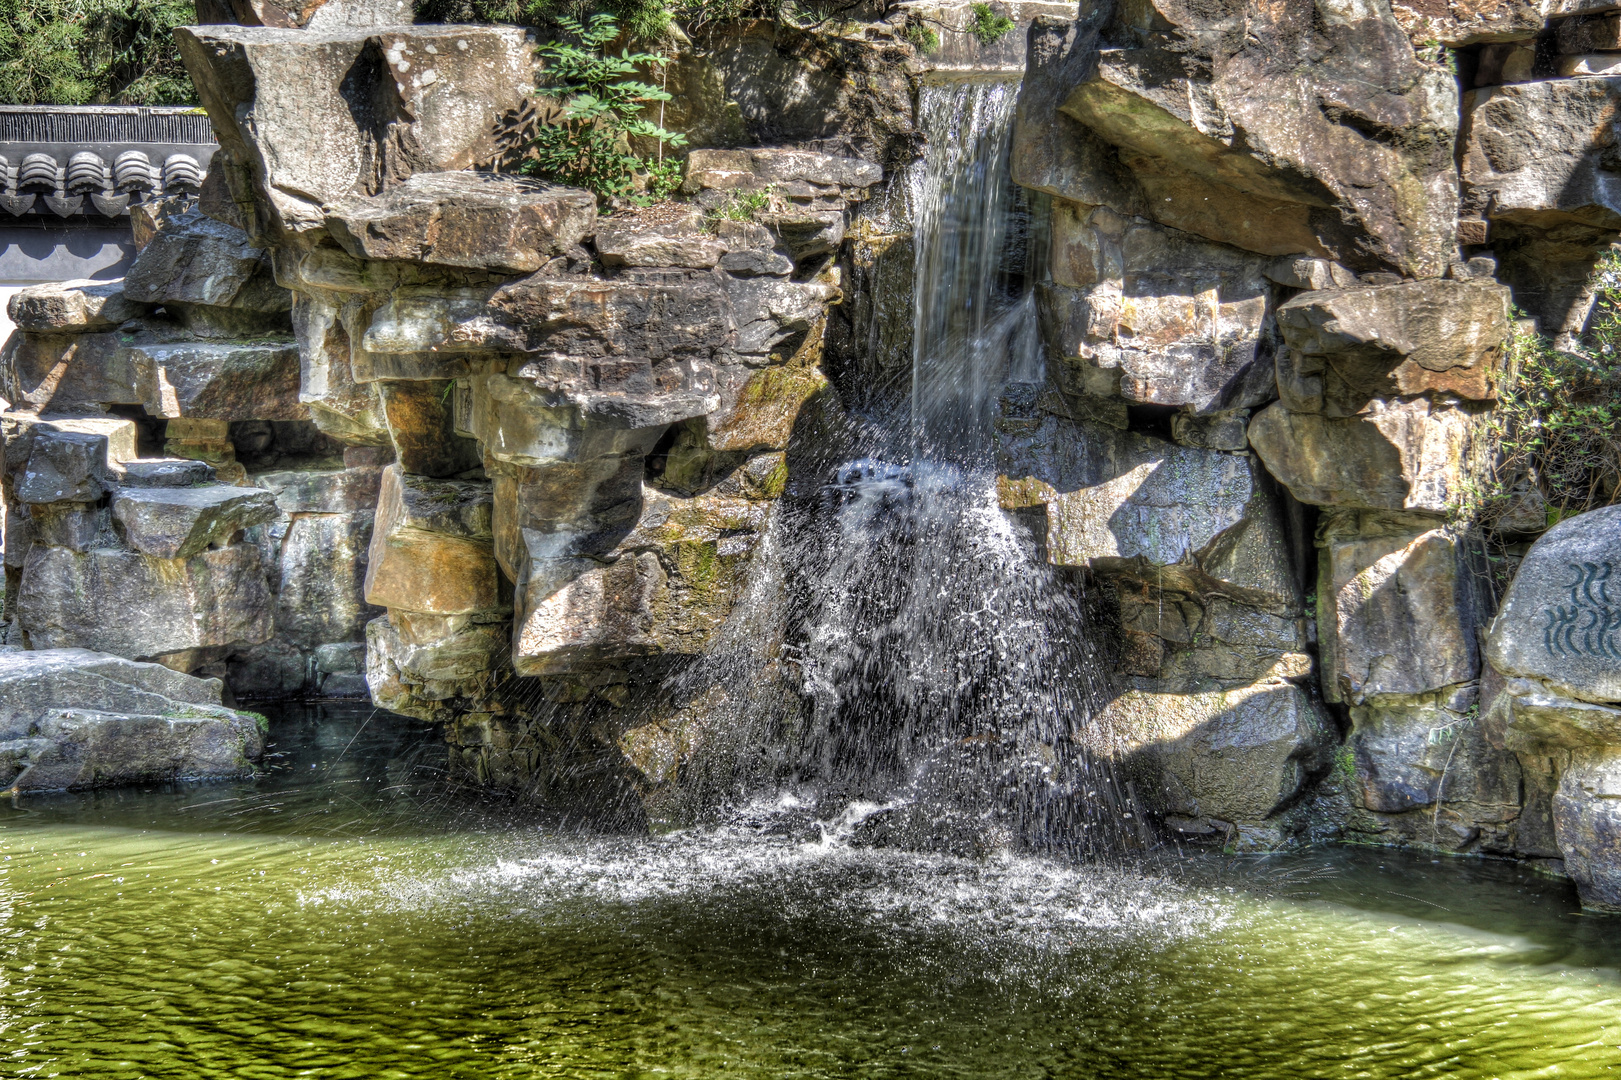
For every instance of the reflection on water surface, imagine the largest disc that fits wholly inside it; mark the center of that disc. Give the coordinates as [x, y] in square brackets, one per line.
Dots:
[342, 917]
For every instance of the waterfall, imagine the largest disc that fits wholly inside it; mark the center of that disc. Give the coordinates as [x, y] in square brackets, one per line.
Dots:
[946, 684]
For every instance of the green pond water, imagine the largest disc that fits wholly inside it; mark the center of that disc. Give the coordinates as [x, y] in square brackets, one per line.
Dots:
[338, 917]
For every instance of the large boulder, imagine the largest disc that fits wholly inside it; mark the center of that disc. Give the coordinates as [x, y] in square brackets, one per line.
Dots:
[71, 307]
[1228, 762]
[177, 523]
[1154, 315]
[1560, 622]
[1400, 606]
[210, 380]
[1121, 502]
[1410, 454]
[72, 718]
[1392, 341]
[1587, 823]
[142, 607]
[1543, 153]
[284, 106]
[196, 260]
[1228, 135]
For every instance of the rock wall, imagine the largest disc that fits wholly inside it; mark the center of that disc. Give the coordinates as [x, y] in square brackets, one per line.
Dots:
[1275, 317]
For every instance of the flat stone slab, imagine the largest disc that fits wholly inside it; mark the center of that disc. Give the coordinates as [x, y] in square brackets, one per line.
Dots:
[164, 473]
[73, 718]
[1561, 620]
[482, 221]
[67, 460]
[72, 307]
[177, 523]
[220, 380]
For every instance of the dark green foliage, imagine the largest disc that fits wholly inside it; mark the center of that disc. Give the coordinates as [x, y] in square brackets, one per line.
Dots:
[84, 52]
[644, 20]
[589, 144]
[1557, 424]
[987, 25]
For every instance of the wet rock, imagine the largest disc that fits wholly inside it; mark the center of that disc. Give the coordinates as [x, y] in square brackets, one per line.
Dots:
[177, 523]
[1587, 823]
[72, 718]
[72, 307]
[322, 562]
[1560, 622]
[1234, 760]
[219, 381]
[85, 600]
[432, 547]
[476, 220]
[323, 491]
[1122, 502]
[664, 589]
[1400, 607]
[1395, 455]
[419, 665]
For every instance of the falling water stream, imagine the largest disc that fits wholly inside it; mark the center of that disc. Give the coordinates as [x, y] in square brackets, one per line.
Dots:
[893, 892]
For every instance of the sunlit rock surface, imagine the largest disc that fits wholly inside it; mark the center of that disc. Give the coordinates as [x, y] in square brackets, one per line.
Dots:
[73, 718]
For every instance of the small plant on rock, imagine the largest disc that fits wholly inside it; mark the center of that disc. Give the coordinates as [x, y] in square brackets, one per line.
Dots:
[922, 37]
[588, 145]
[741, 206]
[988, 26]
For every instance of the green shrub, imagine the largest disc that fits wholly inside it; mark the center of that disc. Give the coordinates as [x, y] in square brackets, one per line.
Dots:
[589, 145]
[1557, 425]
[988, 26]
[742, 206]
[92, 52]
[923, 37]
[644, 20]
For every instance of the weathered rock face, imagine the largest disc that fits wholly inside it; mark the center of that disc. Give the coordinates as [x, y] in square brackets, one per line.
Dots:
[71, 718]
[281, 100]
[1560, 623]
[1178, 119]
[1231, 762]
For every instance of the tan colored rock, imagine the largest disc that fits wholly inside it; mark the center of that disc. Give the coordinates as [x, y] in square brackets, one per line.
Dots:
[71, 307]
[305, 14]
[1156, 316]
[682, 242]
[422, 428]
[1470, 21]
[339, 406]
[431, 548]
[1389, 341]
[1403, 455]
[475, 220]
[1207, 133]
[1399, 607]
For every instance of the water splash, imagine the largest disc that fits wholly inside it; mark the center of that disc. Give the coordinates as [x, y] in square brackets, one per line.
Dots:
[944, 676]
